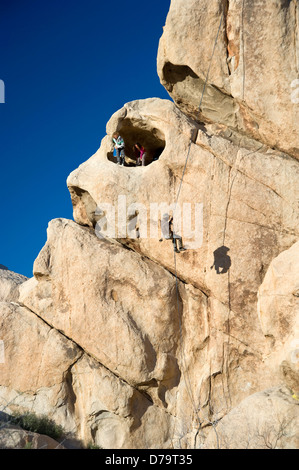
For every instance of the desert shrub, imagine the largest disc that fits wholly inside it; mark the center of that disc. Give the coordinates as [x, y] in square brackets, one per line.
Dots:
[90, 445]
[38, 424]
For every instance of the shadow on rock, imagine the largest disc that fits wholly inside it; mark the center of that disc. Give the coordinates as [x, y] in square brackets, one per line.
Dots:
[222, 261]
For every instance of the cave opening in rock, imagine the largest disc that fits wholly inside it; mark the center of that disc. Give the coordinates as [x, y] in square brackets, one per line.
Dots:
[173, 74]
[152, 139]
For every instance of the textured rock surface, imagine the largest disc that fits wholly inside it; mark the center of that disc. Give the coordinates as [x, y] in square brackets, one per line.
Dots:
[43, 387]
[250, 214]
[278, 309]
[12, 437]
[131, 298]
[9, 284]
[265, 420]
[254, 68]
[92, 404]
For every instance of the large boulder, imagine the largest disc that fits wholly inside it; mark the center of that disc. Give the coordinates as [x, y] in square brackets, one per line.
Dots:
[9, 284]
[246, 214]
[13, 437]
[265, 420]
[120, 310]
[92, 404]
[278, 309]
[253, 76]
[91, 289]
[112, 414]
[241, 199]
[43, 386]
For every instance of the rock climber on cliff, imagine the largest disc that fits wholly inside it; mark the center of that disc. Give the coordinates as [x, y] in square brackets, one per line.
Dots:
[119, 146]
[167, 229]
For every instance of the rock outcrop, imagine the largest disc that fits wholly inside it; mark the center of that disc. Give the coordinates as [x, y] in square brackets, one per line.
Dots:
[9, 284]
[132, 345]
[254, 73]
[264, 420]
[13, 437]
[278, 309]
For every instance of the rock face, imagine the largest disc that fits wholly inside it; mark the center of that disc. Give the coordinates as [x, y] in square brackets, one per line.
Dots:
[27, 339]
[9, 284]
[264, 420]
[12, 437]
[278, 309]
[253, 77]
[125, 295]
[136, 346]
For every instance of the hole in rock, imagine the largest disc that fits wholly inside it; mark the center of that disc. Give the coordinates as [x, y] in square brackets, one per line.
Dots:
[188, 91]
[184, 83]
[152, 139]
[186, 87]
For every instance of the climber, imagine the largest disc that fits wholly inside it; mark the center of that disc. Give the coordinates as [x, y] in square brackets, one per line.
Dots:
[119, 146]
[140, 154]
[167, 229]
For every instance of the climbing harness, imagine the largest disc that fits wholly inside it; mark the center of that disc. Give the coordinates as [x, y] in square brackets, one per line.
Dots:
[193, 137]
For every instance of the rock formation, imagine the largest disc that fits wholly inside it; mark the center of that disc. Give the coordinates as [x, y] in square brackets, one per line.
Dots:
[9, 284]
[14, 437]
[131, 345]
[254, 70]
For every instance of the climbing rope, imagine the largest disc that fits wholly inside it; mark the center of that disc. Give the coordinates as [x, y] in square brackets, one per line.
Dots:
[192, 138]
[199, 108]
[243, 49]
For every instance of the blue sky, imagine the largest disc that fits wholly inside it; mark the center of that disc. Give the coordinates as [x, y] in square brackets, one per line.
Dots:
[67, 67]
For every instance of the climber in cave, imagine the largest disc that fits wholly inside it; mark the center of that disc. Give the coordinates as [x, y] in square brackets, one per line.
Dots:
[140, 154]
[167, 229]
[119, 146]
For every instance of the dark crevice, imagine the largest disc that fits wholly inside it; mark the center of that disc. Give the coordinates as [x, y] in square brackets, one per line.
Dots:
[190, 92]
[226, 40]
[70, 394]
[173, 74]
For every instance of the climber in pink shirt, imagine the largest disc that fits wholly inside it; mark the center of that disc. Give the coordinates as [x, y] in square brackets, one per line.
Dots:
[140, 154]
